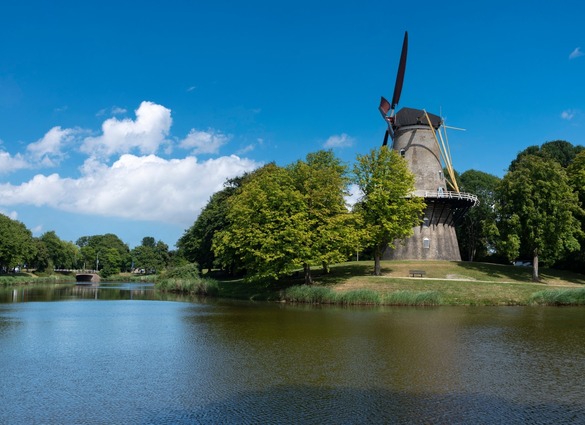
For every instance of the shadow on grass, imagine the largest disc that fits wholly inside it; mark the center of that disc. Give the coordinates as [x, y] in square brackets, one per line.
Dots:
[521, 274]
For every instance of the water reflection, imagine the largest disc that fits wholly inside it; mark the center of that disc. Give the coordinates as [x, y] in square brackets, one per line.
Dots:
[139, 361]
[102, 291]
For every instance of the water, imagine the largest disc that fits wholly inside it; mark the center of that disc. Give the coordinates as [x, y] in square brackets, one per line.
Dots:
[118, 354]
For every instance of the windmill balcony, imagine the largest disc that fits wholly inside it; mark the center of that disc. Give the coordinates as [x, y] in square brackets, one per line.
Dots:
[444, 194]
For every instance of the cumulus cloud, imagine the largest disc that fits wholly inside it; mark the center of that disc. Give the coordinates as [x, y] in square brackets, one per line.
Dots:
[11, 214]
[576, 53]
[137, 187]
[339, 141]
[146, 133]
[204, 141]
[568, 114]
[354, 195]
[9, 163]
[48, 151]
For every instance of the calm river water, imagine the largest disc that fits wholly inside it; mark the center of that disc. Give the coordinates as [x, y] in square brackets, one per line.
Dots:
[121, 354]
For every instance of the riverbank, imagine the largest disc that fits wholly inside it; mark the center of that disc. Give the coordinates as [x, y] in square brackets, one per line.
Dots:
[444, 283]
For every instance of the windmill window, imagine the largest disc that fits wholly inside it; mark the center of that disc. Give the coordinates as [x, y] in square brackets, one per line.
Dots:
[426, 222]
[441, 175]
[426, 243]
[402, 153]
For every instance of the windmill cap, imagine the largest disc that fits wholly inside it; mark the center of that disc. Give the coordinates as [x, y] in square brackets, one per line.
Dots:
[410, 116]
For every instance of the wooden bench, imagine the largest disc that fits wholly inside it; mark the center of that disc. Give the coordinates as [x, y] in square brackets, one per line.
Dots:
[414, 273]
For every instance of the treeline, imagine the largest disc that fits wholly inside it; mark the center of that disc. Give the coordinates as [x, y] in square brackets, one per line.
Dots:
[278, 220]
[107, 253]
[534, 213]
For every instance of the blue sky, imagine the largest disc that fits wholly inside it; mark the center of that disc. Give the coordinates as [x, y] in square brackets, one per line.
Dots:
[124, 117]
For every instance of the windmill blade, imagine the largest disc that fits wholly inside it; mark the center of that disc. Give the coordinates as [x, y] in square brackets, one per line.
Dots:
[385, 142]
[401, 70]
[384, 106]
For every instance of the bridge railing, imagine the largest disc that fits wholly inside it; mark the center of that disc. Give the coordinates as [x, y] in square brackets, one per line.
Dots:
[76, 271]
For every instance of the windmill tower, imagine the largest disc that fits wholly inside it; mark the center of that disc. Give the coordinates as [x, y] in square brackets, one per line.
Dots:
[417, 136]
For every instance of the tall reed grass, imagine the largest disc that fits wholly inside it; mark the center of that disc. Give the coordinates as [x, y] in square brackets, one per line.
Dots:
[324, 295]
[186, 280]
[559, 297]
[196, 286]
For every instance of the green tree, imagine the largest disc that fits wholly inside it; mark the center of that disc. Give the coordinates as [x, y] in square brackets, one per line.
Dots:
[267, 226]
[576, 173]
[536, 212]
[477, 230]
[16, 243]
[150, 255]
[558, 150]
[387, 208]
[196, 243]
[95, 251]
[62, 254]
[322, 180]
[41, 259]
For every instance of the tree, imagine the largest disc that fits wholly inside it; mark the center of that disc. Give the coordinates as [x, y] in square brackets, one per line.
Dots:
[16, 243]
[322, 181]
[536, 209]
[196, 243]
[387, 208]
[558, 150]
[267, 226]
[476, 232]
[62, 254]
[576, 173]
[151, 256]
[96, 250]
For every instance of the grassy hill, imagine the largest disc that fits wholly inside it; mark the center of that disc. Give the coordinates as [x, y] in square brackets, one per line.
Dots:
[444, 283]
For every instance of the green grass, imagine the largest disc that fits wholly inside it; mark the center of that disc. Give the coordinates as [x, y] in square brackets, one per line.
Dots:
[445, 283]
[326, 295]
[559, 297]
[18, 279]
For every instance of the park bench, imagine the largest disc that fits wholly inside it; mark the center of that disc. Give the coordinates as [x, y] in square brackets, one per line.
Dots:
[414, 273]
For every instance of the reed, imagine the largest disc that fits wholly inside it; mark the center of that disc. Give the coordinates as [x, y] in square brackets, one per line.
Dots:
[358, 296]
[559, 297]
[196, 286]
[412, 298]
[324, 295]
[308, 294]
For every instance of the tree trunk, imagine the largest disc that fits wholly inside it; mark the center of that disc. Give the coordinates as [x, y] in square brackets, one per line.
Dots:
[326, 268]
[535, 277]
[307, 270]
[377, 256]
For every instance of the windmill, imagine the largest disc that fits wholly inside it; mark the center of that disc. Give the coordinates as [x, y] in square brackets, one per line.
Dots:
[420, 138]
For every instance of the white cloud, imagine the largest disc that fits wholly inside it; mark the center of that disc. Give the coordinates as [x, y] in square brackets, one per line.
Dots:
[339, 141]
[146, 134]
[9, 163]
[204, 141]
[576, 53]
[246, 149]
[48, 151]
[354, 195]
[11, 214]
[135, 187]
[568, 114]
